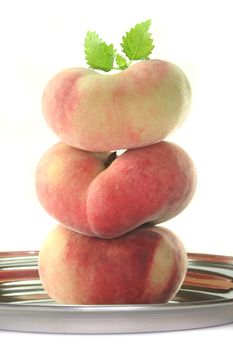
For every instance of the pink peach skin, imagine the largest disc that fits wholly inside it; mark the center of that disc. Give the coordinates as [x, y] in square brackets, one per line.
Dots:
[147, 265]
[84, 193]
[104, 112]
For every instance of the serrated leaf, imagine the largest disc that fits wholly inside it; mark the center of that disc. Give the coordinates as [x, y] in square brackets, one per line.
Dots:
[99, 55]
[121, 62]
[137, 44]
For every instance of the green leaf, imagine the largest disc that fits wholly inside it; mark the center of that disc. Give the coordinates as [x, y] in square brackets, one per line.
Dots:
[99, 55]
[137, 44]
[121, 62]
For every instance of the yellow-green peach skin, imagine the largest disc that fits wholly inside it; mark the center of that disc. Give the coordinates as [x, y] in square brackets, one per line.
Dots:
[103, 112]
[147, 265]
[97, 195]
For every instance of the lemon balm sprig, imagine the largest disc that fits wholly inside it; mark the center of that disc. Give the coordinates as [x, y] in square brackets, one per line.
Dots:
[137, 44]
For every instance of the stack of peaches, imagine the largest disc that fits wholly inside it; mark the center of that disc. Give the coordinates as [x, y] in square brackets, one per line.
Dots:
[110, 181]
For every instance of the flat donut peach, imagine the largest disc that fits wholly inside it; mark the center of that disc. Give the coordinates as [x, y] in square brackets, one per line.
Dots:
[144, 266]
[97, 195]
[104, 112]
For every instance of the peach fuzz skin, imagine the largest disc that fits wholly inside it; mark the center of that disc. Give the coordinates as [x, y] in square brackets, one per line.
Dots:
[88, 193]
[103, 112]
[147, 265]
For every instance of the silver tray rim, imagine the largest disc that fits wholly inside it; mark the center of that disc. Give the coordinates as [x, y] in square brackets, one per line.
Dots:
[128, 308]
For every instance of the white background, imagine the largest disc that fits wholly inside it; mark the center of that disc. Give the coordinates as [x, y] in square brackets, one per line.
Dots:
[40, 38]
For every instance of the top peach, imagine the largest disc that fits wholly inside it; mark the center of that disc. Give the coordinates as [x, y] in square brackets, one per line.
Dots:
[103, 112]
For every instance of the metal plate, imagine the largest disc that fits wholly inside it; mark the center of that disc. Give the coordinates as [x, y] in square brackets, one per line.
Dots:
[205, 299]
